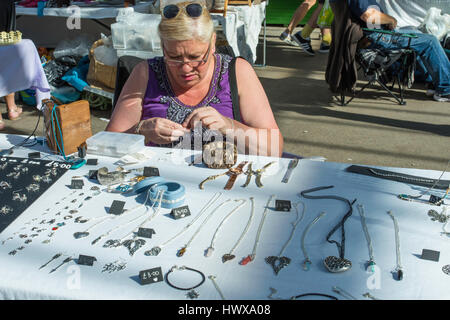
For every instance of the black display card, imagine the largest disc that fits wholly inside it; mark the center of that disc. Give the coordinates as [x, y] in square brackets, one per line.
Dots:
[86, 260]
[151, 276]
[76, 184]
[146, 232]
[91, 162]
[34, 155]
[282, 205]
[116, 207]
[22, 181]
[180, 212]
[151, 172]
[430, 255]
[92, 174]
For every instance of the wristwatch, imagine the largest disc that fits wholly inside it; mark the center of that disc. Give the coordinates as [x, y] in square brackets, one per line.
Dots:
[233, 173]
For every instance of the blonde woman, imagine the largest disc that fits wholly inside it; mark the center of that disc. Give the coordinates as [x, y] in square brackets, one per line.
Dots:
[165, 98]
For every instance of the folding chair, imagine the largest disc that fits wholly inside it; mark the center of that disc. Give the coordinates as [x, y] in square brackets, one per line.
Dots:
[385, 65]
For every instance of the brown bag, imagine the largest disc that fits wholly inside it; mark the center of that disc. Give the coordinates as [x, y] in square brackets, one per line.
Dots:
[74, 121]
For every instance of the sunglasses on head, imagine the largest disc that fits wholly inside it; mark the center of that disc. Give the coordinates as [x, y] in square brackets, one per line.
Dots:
[193, 10]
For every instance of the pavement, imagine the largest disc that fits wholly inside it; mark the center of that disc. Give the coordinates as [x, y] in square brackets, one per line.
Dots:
[372, 130]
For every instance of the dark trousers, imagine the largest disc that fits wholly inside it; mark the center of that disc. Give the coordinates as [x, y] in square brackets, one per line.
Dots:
[7, 15]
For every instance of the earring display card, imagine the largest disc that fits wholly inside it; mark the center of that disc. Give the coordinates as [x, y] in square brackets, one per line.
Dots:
[22, 181]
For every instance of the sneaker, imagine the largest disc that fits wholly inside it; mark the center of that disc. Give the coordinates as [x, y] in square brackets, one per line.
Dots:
[286, 37]
[305, 44]
[324, 48]
[441, 98]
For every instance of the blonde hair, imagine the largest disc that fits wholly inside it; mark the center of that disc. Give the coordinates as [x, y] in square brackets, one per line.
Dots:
[183, 27]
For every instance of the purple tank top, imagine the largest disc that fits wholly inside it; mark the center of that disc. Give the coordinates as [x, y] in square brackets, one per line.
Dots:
[160, 100]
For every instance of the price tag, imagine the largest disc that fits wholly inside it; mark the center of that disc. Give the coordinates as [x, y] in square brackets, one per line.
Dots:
[76, 184]
[146, 233]
[151, 172]
[434, 199]
[116, 207]
[34, 155]
[86, 260]
[91, 162]
[180, 212]
[282, 205]
[151, 276]
[430, 255]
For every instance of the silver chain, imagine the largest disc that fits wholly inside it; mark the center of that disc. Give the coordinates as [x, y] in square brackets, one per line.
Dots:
[258, 234]
[213, 279]
[294, 226]
[397, 240]
[366, 231]
[307, 261]
[246, 227]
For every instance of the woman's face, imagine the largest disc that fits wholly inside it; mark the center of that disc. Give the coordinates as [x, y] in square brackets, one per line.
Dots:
[187, 61]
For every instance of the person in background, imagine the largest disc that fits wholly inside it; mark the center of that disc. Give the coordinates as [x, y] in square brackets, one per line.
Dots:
[302, 38]
[166, 97]
[427, 46]
[8, 23]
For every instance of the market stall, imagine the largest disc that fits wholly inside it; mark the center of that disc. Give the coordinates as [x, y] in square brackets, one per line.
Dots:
[365, 236]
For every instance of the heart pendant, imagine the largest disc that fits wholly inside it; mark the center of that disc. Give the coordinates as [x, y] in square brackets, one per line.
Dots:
[278, 263]
[153, 251]
[133, 245]
[112, 244]
[335, 264]
[227, 257]
[79, 235]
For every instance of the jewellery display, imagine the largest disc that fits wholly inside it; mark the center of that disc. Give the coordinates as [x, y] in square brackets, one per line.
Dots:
[440, 217]
[279, 262]
[156, 250]
[229, 256]
[332, 263]
[232, 173]
[173, 194]
[257, 173]
[56, 256]
[213, 280]
[114, 266]
[182, 268]
[62, 263]
[292, 165]
[398, 269]
[307, 261]
[252, 256]
[85, 233]
[182, 251]
[210, 249]
[371, 263]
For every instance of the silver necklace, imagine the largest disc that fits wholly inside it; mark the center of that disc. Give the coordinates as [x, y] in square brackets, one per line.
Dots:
[279, 262]
[182, 251]
[343, 293]
[307, 261]
[398, 269]
[213, 280]
[371, 263]
[229, 256]
[210, 249]
[252, 256]
[157, 249]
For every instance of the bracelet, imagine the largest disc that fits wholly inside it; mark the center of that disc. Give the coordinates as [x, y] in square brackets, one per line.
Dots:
[184, 268]
[314, 294]
[138, 127]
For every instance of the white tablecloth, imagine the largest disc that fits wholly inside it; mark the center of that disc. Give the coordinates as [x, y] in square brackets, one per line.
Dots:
[423, 279]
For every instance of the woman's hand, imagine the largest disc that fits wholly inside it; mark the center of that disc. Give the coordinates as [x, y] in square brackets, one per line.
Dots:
[210, 118]
[161, 130]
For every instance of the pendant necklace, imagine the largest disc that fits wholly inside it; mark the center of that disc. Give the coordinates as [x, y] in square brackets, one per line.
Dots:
[157, 249]
[182, 251]
[210, 249]
[134, 244]
[371, 263]
[398, 269]
[252, 256]
[229, 256]
[279, 262]
[332, 263]
[307, 261]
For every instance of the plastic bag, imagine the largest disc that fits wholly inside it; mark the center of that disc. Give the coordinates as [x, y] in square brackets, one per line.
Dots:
[326, 16]
[435, 23]
[78, 47]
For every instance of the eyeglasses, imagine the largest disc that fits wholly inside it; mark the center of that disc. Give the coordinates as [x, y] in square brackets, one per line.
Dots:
[192, 63]
[193, 10]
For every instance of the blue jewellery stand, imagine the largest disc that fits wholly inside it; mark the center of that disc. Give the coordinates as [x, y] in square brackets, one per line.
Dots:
[146, 183]
[173, 194]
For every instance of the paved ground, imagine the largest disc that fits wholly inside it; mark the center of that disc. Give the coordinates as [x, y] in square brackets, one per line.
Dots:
[372, 130]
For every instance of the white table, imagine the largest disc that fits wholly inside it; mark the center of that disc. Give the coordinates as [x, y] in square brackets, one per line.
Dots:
[22, 279]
